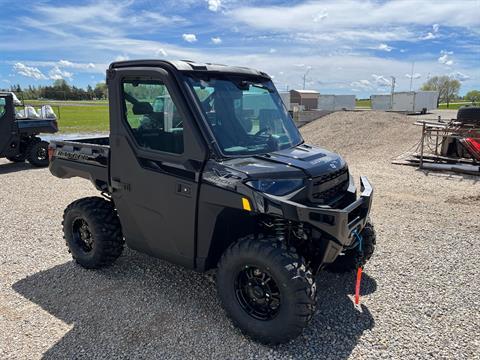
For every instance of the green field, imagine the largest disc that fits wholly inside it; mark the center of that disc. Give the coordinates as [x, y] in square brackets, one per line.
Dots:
[78, 116]
[83, 118]
[363, 103]
[455, 105]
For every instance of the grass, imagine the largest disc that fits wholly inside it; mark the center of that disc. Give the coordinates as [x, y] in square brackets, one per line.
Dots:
[83, 118]
[65, 102]
[364, 103]
[456, 105]
[78, 116]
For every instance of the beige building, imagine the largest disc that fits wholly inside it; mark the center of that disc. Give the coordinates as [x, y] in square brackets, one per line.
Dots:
[308, 99]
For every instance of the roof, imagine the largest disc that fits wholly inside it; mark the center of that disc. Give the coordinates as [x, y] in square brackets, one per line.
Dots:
[15, 99]
[189, 66]
[307, 91]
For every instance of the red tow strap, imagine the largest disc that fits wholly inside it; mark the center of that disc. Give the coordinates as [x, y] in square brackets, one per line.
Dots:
[357, 285]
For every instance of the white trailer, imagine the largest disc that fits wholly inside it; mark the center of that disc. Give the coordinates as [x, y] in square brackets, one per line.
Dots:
[425, 101]
[409, 101]
[381, 102]
[336, 102]
[344, 102]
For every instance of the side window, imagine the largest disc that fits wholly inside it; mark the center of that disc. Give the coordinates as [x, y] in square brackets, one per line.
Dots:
[152, 116]
[2, 106]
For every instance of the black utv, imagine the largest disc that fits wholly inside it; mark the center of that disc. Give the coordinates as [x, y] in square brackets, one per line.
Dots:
[205, 168]
[19, 139]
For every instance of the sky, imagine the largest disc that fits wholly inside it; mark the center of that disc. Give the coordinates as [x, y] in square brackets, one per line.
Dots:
[341, 47]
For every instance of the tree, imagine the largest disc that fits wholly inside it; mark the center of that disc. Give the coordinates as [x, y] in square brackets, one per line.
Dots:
[473, 96]
[101, 91]
[446, 86]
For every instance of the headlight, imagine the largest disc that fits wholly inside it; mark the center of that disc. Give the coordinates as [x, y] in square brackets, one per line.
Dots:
[276, 187]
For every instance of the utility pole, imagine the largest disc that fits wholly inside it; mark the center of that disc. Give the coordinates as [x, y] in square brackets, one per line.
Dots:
[305, 76]
[393, 91]
[411, 76]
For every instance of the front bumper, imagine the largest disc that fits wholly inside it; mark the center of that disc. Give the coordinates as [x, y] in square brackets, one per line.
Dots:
[339, 224]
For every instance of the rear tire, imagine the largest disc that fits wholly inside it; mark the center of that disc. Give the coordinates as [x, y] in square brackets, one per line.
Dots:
[37, 153]
[92, 232]
[266, 289]
[353, 259]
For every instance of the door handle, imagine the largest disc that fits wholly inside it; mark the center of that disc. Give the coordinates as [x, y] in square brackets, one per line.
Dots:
[183, 189]
[118, 185]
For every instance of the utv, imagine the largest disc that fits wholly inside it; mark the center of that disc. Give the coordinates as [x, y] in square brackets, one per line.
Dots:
[219, 179]
[18, 137]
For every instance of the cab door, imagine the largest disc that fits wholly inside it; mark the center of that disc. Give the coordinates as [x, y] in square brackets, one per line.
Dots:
[155, 163]
[8, 143]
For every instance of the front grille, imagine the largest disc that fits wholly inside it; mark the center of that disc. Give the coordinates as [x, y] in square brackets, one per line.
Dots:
[326, 188]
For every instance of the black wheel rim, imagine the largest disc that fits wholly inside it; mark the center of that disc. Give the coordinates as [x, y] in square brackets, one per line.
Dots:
[42, 153]
[82, 235]
[257, 293]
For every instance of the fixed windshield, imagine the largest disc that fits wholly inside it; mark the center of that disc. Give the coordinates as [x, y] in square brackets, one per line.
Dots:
[246, 115]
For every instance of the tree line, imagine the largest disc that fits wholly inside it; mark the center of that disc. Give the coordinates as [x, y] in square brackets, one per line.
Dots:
[61, 90]
[447, 88]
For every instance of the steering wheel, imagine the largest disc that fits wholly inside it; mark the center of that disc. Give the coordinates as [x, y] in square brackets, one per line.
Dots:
[261, 131]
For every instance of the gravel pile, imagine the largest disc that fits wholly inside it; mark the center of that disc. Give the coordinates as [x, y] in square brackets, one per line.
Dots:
[420, 290]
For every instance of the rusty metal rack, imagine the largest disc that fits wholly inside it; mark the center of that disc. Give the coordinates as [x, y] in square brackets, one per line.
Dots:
[428, 154]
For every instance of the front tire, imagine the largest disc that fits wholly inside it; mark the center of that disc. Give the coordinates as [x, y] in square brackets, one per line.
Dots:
[92, 232]
[353, 259]
[37, 153]
[266, 289]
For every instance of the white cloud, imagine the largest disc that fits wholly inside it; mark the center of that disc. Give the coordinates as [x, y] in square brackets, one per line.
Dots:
[161, 52]
[460, 76]
[361, 84]
[216, 40]
[344, 17]
[31, 72]
[320, 16]
[189, 38]
[385, 47]
[69, 64]
[445, 58]
[214, 5]
[414, 76]
[381, 80]
[272, 51]
[56, 74]
[433, 34]
[429, 36]
[122, 58]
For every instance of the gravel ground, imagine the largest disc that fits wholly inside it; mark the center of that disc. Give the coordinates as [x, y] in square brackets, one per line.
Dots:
[420, 290]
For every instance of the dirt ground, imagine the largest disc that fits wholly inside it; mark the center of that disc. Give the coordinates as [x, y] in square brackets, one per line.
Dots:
[420, 290]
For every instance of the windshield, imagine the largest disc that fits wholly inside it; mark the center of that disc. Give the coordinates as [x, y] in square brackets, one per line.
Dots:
[247, 116]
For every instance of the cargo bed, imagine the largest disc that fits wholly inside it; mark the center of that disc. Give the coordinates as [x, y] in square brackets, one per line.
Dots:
[86, 158]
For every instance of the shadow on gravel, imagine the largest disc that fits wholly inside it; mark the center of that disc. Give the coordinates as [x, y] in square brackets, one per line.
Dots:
[14, 167]
[146, 308]
[450, 175]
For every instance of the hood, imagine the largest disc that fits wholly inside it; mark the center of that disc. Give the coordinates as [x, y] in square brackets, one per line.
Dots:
[289, 163]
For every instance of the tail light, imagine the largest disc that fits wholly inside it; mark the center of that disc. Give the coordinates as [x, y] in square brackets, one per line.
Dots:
[51, 151]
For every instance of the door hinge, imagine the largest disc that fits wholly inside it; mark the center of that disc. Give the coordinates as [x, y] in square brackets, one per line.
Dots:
[118, 185]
